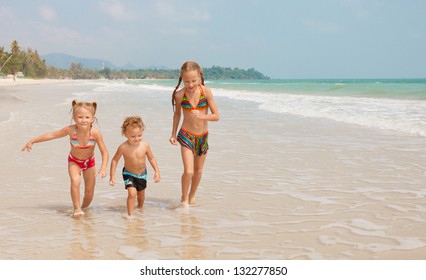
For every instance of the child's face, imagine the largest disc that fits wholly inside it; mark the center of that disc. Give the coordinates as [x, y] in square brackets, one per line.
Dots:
[83, 117]
[133, 134]
[191, 79]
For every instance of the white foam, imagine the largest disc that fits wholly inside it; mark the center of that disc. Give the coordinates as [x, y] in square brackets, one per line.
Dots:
[406, 116]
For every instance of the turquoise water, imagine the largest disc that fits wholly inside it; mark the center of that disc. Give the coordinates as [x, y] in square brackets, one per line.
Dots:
[390, 104]
[374, 88]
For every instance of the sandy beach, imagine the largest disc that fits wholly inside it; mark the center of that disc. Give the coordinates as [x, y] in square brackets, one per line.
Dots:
[8, 102]
[274, 187]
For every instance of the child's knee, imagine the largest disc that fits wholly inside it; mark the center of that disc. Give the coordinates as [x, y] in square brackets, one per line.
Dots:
[131, 192]
[75, 180]
[188, 173]
[198, 172]
[141, 195]
[88, 193]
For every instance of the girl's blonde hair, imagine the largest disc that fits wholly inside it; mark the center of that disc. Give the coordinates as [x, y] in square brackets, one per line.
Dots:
[189, 65]
[90, 106]
[132, 121]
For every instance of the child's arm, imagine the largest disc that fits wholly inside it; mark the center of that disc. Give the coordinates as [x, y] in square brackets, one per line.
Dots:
[114, 162]
[153, 163]
[46, 137]
[214, 116]
[176, 119]
[104, 152]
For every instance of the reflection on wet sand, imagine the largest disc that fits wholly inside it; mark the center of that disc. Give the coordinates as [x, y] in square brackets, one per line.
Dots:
[83, 245]
[192, 235]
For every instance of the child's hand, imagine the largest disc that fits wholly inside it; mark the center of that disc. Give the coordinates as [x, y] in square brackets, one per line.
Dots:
[102, 173]
[196, 114]
[27, 147]
[112, 181]
[173, 140]
[156, 178]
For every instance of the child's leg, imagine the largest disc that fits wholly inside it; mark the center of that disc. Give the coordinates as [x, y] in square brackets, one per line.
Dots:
[188, 172]
[131, 197]
[75, 176]
[89, 176]
[141, 199]
[196, 178]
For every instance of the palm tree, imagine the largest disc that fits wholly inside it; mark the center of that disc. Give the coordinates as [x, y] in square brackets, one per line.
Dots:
[14, 46]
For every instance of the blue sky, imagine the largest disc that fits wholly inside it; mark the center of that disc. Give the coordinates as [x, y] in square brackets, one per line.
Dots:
[280, 38]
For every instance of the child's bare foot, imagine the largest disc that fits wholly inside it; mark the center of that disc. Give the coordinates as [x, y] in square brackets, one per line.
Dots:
[174, 204]
[184, 204]
[78, 212]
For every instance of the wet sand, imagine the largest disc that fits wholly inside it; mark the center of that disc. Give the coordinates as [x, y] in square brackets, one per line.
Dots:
[274, 187]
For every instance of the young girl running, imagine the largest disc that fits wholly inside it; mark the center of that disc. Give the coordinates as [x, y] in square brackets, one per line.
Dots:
[81, 160]
[194, 102]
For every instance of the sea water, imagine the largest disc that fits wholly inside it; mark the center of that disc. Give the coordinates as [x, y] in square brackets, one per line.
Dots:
[390, 104]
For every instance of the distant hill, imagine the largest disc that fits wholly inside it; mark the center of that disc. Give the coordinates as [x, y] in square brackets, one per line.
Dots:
[64, 61]
[58, 66]
[93, 66]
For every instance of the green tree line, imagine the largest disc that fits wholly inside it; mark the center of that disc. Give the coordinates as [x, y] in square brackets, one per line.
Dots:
[32, 66]
[26, 61]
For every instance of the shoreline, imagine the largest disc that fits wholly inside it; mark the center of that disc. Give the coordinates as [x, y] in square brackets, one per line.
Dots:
[9, 102]
[6, 82]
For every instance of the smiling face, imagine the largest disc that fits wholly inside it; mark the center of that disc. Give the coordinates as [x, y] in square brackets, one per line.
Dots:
[83, 117]
[191, 79]
[133, 134]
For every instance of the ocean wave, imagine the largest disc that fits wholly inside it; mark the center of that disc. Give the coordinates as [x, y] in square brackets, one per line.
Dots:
[122, 86]
[406, 116]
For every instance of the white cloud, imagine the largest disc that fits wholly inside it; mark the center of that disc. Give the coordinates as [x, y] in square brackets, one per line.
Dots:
[169, 11]
[357, 7]
[58, 35]
[166, 10]
[199, 15]
[47, 13]
[116, 10]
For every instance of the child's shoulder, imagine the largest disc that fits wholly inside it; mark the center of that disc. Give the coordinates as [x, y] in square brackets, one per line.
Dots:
[72, 126]
[70, 129]
[179, 93]
[124, 145]
[95, 131]
[146, 144]
[143, 145]
[206, 90]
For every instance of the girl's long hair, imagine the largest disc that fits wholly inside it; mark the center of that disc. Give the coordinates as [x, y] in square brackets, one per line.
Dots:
[187, 66]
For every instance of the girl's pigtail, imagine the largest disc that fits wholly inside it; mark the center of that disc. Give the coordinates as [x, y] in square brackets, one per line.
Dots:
[95, 119]
[73, 105]
[202, 77]
[174, 92]
[95, 105]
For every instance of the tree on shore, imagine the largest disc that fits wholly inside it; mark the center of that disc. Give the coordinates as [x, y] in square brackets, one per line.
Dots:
[31, 65]
[28, 62]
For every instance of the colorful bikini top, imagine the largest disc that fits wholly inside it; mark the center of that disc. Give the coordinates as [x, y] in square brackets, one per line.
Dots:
[74, 141]
[202, 102]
